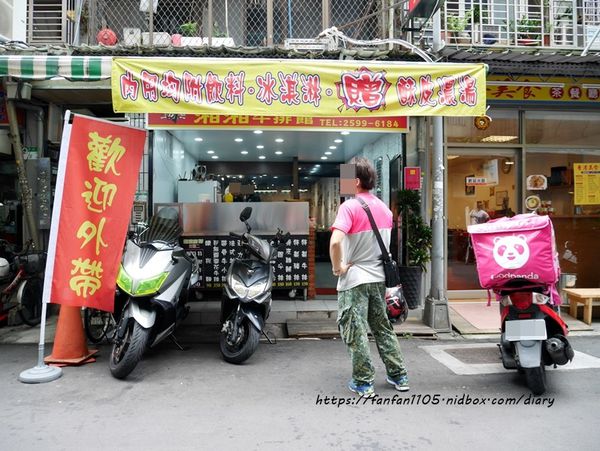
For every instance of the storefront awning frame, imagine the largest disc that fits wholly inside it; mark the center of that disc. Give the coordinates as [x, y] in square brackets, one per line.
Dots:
[47, 67]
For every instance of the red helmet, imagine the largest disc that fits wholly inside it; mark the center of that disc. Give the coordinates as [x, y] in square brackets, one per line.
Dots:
[397, 308]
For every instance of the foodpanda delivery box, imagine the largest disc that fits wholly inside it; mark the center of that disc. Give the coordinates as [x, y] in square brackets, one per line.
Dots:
[521, 247]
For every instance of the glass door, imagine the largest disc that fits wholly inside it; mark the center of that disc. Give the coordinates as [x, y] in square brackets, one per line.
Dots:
[482, 185]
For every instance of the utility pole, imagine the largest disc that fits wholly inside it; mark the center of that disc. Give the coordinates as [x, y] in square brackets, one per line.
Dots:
[436, 314]
[22, 176]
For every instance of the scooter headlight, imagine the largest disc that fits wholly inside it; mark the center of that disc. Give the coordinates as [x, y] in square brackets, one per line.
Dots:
[151, 286]
[238, 287]
[124, 281]
[255, 290]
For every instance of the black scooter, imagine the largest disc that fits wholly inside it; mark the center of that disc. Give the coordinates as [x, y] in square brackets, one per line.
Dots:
[246, 302]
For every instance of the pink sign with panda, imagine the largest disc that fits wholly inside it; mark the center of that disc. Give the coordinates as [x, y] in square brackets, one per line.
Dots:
[521, 247]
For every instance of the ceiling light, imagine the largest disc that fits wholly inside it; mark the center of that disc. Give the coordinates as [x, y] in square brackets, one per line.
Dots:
[317, 165]
[261, 157]
[333, 147]
[278, 140]
[338, 140]
[323, 158]
[222, 178]
[244, 152]
[210, 152]
[215, 157]
[275, 177]
[198, 139]
[260, 146]
[509, 162]
[279, 152]
[257, 132]
[347, 133]
[241, 177]
[327, 153]
[238, 140]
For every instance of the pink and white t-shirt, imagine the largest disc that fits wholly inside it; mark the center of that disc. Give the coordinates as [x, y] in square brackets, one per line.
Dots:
[360, 245]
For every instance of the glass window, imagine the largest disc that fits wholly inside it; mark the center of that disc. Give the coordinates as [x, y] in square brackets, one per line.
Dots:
[504, 129]
[480, 187]
[576, 223]
[557, 128]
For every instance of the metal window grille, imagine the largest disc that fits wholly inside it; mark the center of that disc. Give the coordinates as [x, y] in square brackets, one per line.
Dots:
[250, 23]
[48, 21]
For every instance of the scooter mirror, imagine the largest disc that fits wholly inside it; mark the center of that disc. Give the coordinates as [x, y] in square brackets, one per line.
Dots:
[245, 214]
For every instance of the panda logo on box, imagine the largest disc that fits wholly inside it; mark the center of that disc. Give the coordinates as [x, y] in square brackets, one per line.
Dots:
[511, 252]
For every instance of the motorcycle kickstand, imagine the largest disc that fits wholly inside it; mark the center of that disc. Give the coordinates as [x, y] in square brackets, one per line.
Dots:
[268, 339]
[174, 340]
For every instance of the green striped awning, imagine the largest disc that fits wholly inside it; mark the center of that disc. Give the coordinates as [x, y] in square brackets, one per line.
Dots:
[42, 67]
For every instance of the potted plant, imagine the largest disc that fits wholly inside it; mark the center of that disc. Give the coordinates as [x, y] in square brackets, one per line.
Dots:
[456, 27]
[189, 32]
[418, 241]
[528, 31]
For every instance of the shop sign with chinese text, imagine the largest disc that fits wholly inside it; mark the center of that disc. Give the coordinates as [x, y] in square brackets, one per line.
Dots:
[587, 183]
[316, 88]
[95, 187]
[555, 89]
[396, 124]
[476, 181]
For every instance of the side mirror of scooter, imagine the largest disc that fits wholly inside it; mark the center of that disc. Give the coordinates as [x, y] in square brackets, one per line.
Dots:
[245, 214]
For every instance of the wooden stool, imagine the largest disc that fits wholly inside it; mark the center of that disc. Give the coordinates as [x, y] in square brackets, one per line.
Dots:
[583, 296]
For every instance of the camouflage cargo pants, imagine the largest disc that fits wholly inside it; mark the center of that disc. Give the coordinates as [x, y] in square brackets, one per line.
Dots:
[361, 306]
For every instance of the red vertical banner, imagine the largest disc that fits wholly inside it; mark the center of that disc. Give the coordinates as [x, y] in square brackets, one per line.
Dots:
[96, 183]
[412, 177]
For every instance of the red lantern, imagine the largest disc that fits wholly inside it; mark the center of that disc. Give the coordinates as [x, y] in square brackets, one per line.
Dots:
[106, 37]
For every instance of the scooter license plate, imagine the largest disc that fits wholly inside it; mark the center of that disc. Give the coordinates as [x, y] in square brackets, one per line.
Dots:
[525, 329]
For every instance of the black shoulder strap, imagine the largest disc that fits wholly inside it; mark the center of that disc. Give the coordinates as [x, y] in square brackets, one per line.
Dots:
[384, 253]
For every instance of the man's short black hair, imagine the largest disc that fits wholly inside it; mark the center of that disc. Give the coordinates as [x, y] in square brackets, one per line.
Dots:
[365, 172]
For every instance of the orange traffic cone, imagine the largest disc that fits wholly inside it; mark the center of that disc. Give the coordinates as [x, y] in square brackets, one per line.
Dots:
[70, 347]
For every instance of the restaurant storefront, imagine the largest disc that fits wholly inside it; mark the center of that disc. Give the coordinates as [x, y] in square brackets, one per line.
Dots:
[534, 156]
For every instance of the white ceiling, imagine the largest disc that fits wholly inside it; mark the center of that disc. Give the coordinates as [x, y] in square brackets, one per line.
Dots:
[308, 146]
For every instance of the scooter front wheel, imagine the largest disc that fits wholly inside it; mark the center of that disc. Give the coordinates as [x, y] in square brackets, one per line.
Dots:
[245, 344]
[536, 379]
[128, 351]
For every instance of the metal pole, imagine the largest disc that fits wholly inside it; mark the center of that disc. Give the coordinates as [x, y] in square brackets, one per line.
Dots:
[22, 176]
[269, 23]
[436, 314]
[41, 372]
[295, 179]
[210, 22]
[325, 14]
[150, 23]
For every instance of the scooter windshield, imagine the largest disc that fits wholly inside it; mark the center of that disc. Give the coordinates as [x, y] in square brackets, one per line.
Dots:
[164, 226]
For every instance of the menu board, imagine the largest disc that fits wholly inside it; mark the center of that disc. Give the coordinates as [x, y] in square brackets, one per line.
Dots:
[587, 183]
[216, 253]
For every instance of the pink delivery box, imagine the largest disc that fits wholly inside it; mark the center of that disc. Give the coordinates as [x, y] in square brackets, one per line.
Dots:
[521, 247]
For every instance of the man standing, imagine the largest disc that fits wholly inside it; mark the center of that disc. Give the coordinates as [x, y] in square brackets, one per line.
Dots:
[356, 260]
[478, 215]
